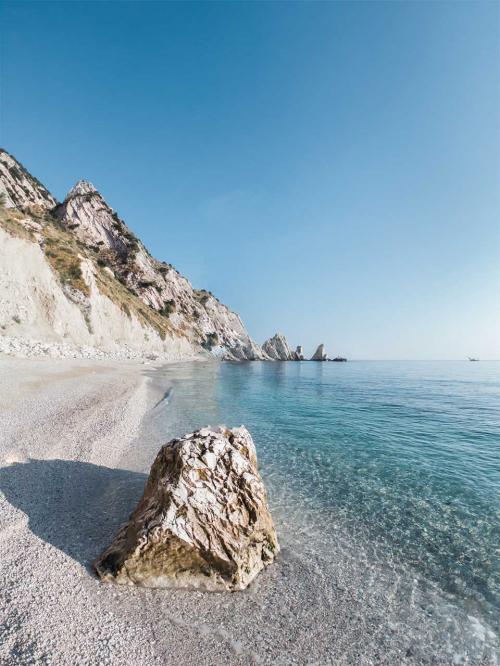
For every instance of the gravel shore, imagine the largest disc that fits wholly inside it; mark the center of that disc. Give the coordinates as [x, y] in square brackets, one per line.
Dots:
[77, 439]
[72, 467]
[65, 426]
[28, 348]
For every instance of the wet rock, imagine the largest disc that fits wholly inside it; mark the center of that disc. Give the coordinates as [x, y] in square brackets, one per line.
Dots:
[203, 521]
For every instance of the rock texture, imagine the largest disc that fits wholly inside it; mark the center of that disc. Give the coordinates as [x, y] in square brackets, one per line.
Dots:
[118, 294]
[85, 212]
[319, 354]
[299, 353]
[20, 188]
[203, 521]
[277, 348]
[205, 320]
[42, 314]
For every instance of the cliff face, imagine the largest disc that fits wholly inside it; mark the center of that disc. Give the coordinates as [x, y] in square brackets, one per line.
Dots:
[20, 188]
[197, 313]
[62, 308]
[94, 257]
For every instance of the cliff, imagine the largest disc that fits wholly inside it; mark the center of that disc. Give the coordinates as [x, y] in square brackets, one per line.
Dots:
[20, 188]
[73, 274]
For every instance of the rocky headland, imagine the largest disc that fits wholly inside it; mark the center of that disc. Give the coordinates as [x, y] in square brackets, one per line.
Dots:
[74, 276]
[75, 281]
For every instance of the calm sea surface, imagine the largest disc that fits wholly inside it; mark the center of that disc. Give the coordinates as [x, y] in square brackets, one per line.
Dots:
[383, 476]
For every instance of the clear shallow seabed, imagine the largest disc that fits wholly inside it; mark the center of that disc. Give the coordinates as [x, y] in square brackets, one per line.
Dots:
[384, 483]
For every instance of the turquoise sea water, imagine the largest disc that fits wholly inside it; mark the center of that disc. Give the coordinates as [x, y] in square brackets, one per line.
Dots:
[385, 475]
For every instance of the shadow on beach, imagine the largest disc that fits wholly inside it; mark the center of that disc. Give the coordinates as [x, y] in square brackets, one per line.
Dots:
[75, 506]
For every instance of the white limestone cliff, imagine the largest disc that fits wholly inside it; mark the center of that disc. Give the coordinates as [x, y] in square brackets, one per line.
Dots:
[19, 188]
[39, 315]
[204, 319]
[100, 285]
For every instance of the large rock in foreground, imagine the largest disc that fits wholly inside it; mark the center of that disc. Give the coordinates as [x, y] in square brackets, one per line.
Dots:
[203, 520]
[277, 348]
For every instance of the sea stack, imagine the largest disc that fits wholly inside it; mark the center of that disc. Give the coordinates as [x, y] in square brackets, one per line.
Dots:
[299, 353]
[277, 348]
[203, 520]
[319, 354]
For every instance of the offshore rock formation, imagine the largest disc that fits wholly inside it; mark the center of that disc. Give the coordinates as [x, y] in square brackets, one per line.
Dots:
[90, 282]
[203, 520]
[277, 348]
[319, 354]
[299, 354]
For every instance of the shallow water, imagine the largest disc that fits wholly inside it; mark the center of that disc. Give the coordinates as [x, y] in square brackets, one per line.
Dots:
[384, 482]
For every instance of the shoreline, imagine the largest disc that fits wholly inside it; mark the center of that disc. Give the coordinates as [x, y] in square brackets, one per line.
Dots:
[71, 471]
[30, 348]
[79, 437]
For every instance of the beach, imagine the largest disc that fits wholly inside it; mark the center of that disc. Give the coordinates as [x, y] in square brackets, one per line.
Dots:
[71, 472]
[248, 251]
[78, 439]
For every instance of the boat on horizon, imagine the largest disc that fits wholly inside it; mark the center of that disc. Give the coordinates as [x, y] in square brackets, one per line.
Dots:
[471, 358]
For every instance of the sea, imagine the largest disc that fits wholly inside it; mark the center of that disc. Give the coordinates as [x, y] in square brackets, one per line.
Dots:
[383, 480]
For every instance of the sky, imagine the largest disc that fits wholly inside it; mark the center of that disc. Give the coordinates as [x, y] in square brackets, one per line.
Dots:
[330, 171]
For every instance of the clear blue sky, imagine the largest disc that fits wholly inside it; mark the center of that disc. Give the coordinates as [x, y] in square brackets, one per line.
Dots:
[328, 170]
